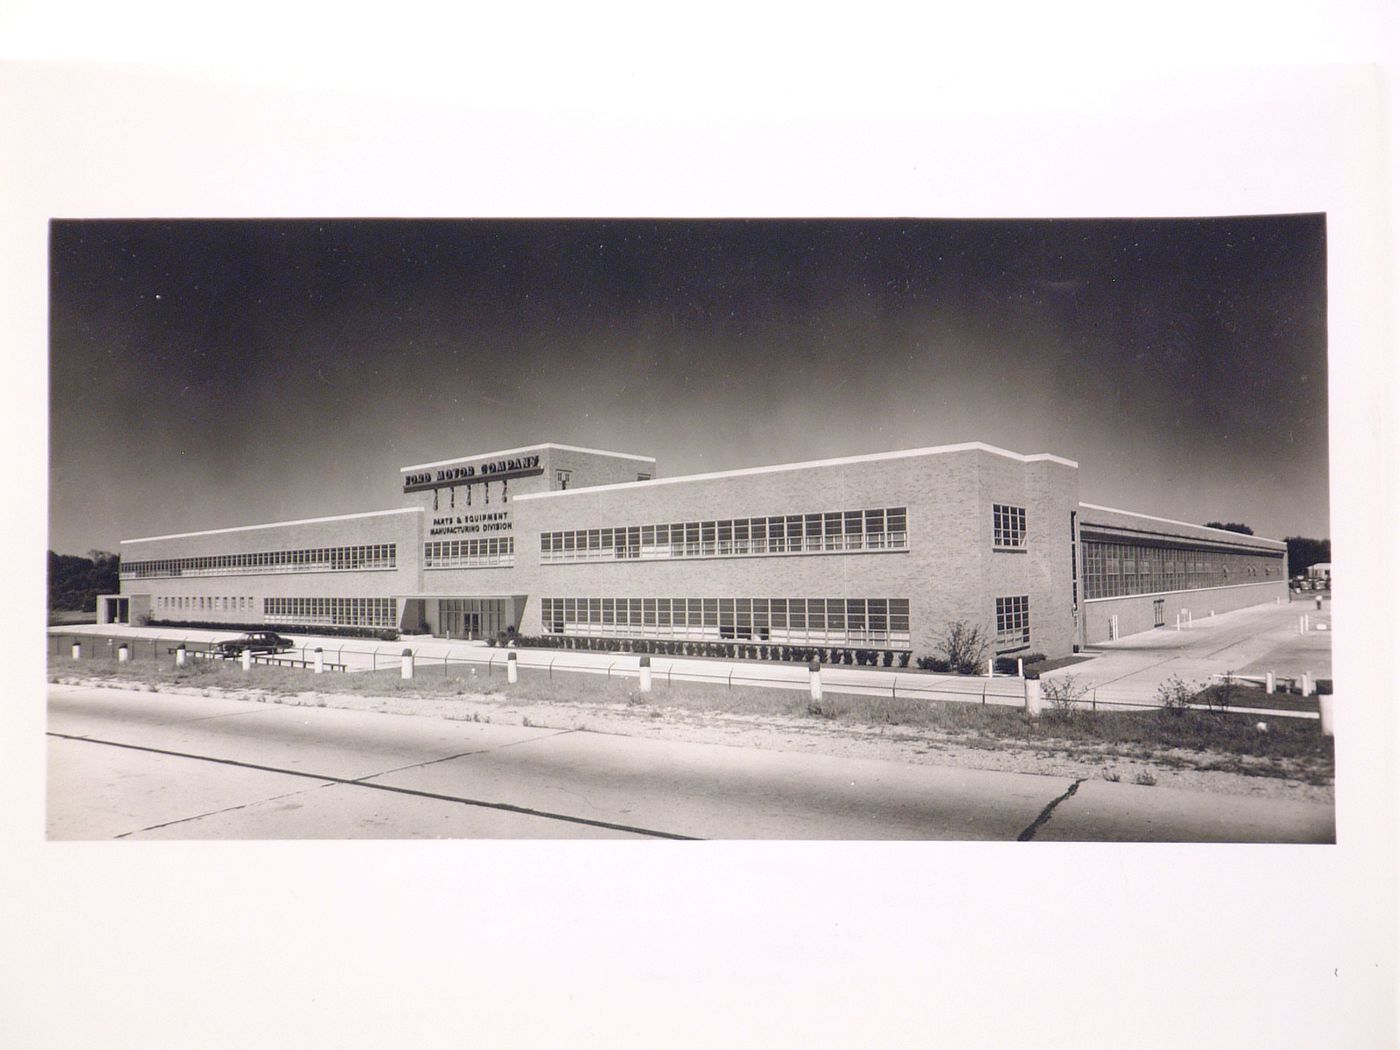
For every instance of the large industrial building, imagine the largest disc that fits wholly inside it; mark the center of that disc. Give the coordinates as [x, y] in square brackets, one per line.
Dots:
[878, 552]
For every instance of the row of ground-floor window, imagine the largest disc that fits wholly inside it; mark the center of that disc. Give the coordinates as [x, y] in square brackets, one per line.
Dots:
[879, 623]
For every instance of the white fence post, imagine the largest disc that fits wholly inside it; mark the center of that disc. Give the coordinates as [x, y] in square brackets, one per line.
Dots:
[1020, 667]
[1032, 697]
[814, 679]
[1270, 682]
[123, 653]
[1307, 683]
[77, 650]
[320, 665]
[644, 674]
[407, 664]
[990, 665]
[1324, 707]
[180, 655]
[512, 672]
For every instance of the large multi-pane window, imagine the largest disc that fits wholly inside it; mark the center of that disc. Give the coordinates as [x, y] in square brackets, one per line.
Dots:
[310, 559]
[1114, 569]
[882, 528]
[334, 612]
[469, 554]
[872, 622]
[1008, 525]
[1013, 621]
[173, 606]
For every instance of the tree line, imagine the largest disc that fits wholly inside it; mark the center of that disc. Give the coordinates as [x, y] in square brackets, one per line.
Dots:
[75, 582]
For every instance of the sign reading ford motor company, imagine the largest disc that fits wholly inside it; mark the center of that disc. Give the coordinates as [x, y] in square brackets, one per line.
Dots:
[502, 469]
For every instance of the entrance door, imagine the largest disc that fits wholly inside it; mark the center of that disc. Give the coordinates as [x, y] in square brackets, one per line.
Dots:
[460, 618]
[1159, 613]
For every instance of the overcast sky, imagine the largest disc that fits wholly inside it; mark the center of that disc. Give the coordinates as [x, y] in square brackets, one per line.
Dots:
[207, 374]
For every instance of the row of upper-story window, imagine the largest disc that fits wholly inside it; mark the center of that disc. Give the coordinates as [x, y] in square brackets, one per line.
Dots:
[309, 559]
[883, 528]
[469, 554]
[877, 529]
[1116, 569]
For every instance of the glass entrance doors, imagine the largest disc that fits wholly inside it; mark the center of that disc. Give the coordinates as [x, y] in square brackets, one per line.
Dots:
[471, 618]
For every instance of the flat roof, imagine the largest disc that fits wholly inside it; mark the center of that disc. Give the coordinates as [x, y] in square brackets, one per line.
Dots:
[276, 524]
[1239, 537]
[528, 448]
[971, 446]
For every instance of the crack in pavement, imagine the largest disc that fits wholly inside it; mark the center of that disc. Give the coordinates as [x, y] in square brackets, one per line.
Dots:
[1045, 813]
[369, 785]
[216, 812]
[462, 754]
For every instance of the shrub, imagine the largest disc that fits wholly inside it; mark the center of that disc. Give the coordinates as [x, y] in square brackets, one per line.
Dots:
[931, 663]
[1006, 665]
[1324, 687]
[965, 646]
[1033, 658]
[904, 659]
[1063, 694]
[1176, 696]
[889, 658]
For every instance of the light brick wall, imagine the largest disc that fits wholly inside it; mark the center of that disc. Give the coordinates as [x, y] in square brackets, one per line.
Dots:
[402, 529]
[1135, 612]
[948, 573]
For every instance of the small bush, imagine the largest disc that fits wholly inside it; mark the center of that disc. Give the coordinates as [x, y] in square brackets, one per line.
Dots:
[1175, 696]
[1145, 778]
[932, 663]
[1063, 694]
[965, 646]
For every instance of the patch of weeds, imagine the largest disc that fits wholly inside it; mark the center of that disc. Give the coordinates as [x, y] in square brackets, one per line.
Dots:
[1175, 696]
[1112, 776]
[1145, 778]
[1065, 696]
[525, 721]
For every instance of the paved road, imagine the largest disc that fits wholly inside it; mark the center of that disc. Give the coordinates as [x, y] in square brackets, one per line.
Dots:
[125, 764]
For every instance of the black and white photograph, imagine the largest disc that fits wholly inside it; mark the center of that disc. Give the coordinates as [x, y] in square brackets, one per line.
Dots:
[579, 527]
[691, 529]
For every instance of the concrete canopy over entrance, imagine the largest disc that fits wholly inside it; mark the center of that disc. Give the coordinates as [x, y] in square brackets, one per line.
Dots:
[470, 617]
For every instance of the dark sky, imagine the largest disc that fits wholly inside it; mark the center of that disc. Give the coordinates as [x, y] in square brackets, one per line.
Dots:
[207, 374]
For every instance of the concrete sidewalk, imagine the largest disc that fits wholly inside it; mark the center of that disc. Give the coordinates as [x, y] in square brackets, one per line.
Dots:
[1248, 641]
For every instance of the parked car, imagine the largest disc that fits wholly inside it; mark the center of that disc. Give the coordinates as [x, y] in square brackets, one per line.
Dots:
[255, 642]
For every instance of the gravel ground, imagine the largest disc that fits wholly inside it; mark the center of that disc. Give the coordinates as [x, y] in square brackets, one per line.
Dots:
[1179, 769]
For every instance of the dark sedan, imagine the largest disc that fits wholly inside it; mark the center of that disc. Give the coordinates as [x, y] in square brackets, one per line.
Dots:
[255, 642]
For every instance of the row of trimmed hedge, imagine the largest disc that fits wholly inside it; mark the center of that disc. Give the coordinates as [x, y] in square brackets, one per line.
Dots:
[724, 650]
[383, 634]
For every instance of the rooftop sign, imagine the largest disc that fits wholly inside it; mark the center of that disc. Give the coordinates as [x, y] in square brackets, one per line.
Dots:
[491, 470]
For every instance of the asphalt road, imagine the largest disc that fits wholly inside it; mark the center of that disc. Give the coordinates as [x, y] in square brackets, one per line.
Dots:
[125, 764]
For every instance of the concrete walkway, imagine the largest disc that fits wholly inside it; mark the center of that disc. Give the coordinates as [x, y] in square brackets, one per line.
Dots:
[1249, 641]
